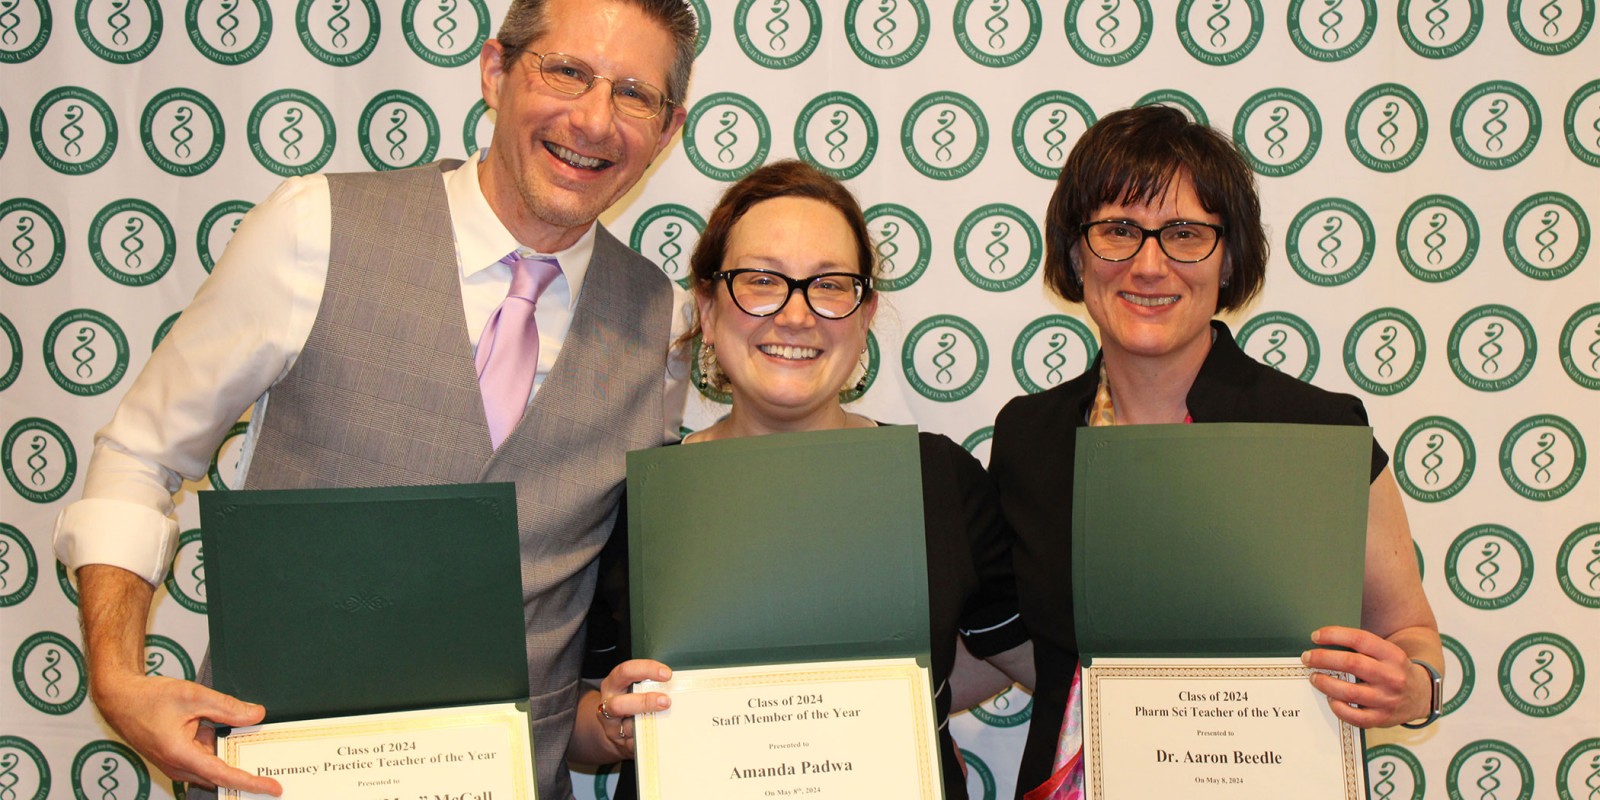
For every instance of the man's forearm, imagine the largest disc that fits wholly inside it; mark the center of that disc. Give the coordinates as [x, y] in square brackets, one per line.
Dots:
[115, 605]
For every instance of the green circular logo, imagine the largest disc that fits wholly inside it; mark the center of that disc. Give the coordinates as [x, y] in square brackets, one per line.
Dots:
[1542, 457]
[1051, 350]
[903, 244]
[338, 32]
[702, 20]
[182, 132]
[1008, 709]
[1495, 125]
[979, 439]
[186, 580]
[1335, 31]
[1461, 677]
[473, 129]
[1580, 346]
[944, 135]
[1489, 767]
[1384, 351]
[1577, 566]
[67, 589]
[1437, 238]
[43, 468]
[406, 134]
[1278, 131]
[1387, 127]
[868, 372]
[1546, 236]
[1045, 128]
[121, 33]
[23, 769]
[1550, 28]
[1287, 343]
[1582, 123]
[667, 234]
[1541, 674]
[782, 35]
[998, 34]
[291, 133]
[225, 472]
[140, 237]
[74, 131]
[1439, 30]
[1578, 776]
[1176, 99]
[228, 31]
[887, 35]
[733, 141]
[91, 358]
[19, 568]
[1434, 459]
[216, 230]
[33, 245]
[1393, 773]
[998, 247]
[1108, 34]
[49, 673]
[837, 133]
[1340, 235]
[13, 354]
[1502, 346]
[163, 329]
[1219, 33]
[945, 358]
[978, 771]
[1488, 567]
[445, 34]
[24, 30]
[108, 767]
[164, 656]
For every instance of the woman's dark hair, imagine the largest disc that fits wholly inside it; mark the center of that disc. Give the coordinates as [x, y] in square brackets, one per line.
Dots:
[787, 178]
[1134, 156]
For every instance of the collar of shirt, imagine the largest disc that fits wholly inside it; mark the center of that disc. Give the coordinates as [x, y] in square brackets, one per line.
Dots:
[482, 240]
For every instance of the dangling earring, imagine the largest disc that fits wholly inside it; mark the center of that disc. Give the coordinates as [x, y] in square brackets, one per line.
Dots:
[710, 369]
[861, 382]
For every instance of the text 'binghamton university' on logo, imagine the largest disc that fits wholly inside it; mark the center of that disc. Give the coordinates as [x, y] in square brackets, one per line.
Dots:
[228, 31]
[105, 769]
[837, 133]
[1489, 567]
[944, 135]
[33, 244]
[1437, 238]
[291, 133]
[778, 34]
[1051, 350]
[1109, 34]
[998, 33]
[48, 671]
[887, 33]
[1330, 242]
[726, 136]
[40, 460]
[903, 244]
[1542, 457]
[1220, 33]
[945, 358]
[1439, 30]
[1434, 459]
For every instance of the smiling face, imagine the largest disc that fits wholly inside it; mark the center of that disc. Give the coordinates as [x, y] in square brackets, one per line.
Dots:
[557, 161]
[786, 370]
[1150, 306]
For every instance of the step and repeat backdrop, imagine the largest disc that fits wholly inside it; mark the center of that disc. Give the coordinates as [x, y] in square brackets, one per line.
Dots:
[1430, 172]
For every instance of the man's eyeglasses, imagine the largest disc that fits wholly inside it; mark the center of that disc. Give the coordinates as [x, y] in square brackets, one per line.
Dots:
[570, 75]
[762, 292]
[1118, 240]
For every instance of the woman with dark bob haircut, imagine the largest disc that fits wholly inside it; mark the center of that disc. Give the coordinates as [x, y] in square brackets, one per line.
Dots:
[1155, 227]
[782, 282]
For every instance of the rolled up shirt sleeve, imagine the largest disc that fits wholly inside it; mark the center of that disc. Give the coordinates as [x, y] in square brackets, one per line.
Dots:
[235, 340]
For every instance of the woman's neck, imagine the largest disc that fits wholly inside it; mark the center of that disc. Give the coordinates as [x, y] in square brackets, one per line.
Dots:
[741, 423]
[1148, 390]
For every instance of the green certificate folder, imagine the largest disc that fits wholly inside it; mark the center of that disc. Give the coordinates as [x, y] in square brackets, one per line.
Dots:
[1219, 539]
[779, 549]
[332, 602]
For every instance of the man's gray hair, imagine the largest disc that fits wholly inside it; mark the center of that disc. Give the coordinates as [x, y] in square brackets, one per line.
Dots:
[527, 20]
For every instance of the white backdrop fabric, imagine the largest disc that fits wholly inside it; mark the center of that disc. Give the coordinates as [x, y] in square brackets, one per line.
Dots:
[1430, 173]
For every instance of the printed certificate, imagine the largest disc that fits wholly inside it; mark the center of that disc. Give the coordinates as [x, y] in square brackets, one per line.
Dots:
[463, 753]
[846, 729]
[1215, 728]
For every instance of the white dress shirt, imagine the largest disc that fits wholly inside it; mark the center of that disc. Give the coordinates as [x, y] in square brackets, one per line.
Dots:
[241, 335]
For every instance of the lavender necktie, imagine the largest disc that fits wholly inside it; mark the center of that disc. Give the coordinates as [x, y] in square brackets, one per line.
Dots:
[508, 350]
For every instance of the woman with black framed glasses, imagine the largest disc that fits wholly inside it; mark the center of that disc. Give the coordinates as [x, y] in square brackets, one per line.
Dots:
[1155, 227]
[782, 282]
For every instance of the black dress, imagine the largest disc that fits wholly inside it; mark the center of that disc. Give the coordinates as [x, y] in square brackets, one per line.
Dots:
[1031, 461]
[970, 586]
